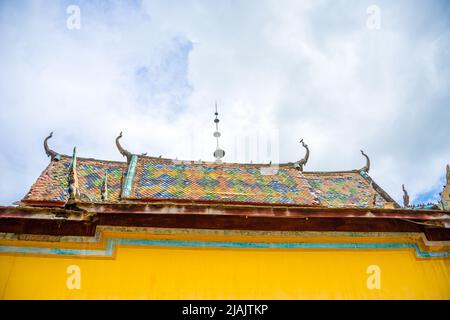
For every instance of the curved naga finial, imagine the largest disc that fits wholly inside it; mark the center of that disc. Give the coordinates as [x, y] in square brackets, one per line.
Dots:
[366, 168]
[50, 153]
[405, 197]
[301, 163]
[124, 152]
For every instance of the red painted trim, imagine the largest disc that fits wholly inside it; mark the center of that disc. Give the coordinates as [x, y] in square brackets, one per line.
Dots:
[45, 203]
[63, 227]
[251, 210]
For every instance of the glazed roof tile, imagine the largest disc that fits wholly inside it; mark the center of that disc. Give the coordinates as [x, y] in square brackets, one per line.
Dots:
[344, 189]
[170, 180]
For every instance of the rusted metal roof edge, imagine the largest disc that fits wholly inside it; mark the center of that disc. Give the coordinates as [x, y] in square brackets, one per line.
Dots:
[230, 209]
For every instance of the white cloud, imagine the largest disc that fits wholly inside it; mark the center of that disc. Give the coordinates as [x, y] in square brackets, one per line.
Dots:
[154, 69]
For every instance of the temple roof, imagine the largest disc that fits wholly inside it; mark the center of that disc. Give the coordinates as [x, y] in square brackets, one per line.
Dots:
[74, 196]
[147, 179]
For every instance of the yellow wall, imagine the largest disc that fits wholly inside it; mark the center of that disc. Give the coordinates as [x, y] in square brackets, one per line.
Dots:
[205, 273]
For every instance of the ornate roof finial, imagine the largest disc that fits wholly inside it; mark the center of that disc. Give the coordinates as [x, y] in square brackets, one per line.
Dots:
[405, 197]
[74, 192]
[301, 163]
[104, 189]
[366, 168]
[124, 152]
[50, 153]
[218, 153]
[448, 174]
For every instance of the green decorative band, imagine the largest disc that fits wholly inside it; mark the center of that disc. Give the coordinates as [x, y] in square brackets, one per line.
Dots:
[97, 238]
[130, 177]
[111, 244]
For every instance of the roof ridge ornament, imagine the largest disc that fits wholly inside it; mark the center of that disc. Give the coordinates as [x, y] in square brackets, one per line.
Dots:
[74, 191]
[50, 153]
[301, 163]
[405, 197]
[366, 168]
[123, 151]
[104, 189]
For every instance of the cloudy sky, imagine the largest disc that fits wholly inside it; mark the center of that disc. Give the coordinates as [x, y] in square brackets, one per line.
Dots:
[343, 75]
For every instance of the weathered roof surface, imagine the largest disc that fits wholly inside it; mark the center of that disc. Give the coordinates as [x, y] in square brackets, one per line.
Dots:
[220, 182]
[52, 184]
[344, 189]
[165, 179]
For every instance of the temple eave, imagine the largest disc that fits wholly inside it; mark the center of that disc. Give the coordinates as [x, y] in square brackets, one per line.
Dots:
[83, 219]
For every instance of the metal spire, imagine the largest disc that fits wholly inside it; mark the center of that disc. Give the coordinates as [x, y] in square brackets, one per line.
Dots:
[219, 153]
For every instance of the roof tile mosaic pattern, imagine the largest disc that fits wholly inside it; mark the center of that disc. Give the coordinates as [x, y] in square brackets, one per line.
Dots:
[162, 179]
[344, 189]
[213, 182]
[52, 184]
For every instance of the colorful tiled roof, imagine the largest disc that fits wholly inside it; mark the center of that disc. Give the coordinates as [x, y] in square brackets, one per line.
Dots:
[344, 189]
[52, 184]
[219, 182]
[154, 179]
